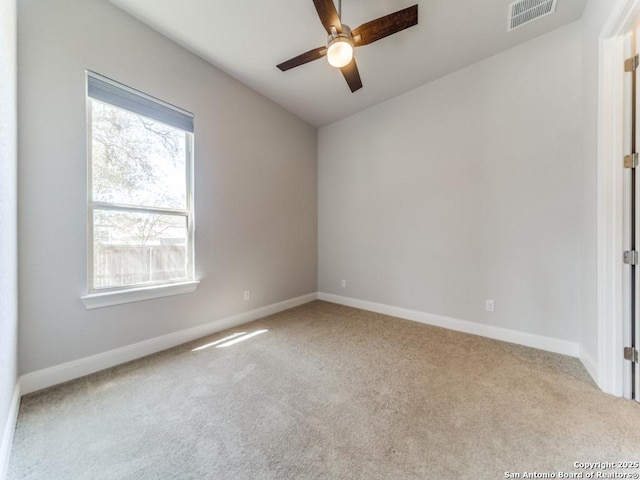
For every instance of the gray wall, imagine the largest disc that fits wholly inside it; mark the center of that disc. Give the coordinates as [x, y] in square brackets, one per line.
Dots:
[8, 213]
[465, 189]
[255, 184]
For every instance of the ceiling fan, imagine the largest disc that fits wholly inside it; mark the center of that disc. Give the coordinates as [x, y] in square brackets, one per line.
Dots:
[341, 40]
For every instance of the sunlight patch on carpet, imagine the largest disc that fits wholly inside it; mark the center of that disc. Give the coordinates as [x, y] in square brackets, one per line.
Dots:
[241, 339]
[230, 340]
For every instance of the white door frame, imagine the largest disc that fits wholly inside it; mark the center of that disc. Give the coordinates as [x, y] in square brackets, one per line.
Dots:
[613, 373]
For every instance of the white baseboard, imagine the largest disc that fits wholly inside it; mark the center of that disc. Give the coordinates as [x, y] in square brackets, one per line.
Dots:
[48, 377]
[6, 442]
[589, 364]
[540, 342]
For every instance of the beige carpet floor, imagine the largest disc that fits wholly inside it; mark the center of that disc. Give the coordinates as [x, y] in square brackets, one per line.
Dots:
[329, 392]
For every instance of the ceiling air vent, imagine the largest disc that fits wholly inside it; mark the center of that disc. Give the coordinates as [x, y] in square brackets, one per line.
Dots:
[525, 11]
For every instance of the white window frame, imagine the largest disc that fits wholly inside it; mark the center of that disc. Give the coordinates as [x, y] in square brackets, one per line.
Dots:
[147, 106]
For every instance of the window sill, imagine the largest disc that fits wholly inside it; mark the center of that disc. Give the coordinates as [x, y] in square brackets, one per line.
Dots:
[106, 299]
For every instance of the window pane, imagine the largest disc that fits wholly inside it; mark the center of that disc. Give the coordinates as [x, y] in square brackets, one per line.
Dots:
[133, 248]
[136, 160]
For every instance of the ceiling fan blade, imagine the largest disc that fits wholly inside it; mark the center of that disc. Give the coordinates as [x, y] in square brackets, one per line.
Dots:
[306, 57]
[328, 15]
[384, 26]
[352, 76]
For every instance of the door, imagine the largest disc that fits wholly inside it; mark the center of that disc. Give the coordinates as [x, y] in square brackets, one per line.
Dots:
[631, 187]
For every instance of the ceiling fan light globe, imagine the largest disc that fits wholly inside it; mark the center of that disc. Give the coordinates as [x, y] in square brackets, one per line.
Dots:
[340, 53]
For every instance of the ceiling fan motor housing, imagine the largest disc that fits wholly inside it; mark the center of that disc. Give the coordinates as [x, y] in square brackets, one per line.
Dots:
[340, 47]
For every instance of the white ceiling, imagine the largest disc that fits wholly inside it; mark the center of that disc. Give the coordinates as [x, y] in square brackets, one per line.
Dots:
[248, 38]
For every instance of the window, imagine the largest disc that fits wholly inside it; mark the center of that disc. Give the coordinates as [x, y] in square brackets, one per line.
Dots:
[140, 190]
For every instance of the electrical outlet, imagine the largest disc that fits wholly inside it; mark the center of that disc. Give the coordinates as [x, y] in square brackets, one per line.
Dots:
[247, 295]
[489, 305]
[343, 283]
